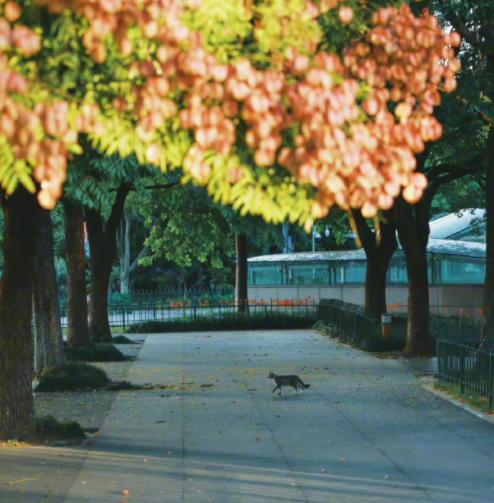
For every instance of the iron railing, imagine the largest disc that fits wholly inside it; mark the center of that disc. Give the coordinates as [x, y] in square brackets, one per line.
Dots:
[469, 364]
[126, 316]
[356, 325]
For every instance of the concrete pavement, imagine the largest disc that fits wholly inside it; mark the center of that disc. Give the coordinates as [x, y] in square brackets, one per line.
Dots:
[366, 431]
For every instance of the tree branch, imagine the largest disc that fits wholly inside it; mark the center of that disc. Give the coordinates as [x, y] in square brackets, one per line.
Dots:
[475, 166]
[152, 187]
[365, 234]
[460, 26]
[132, 268]
[432, 189]
[118, 208]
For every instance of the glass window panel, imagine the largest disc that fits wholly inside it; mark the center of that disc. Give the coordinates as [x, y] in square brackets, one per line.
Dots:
[459, 270]
[355, 272]
[348, 271]
[397, 272]
[307, 273]
[264, 274]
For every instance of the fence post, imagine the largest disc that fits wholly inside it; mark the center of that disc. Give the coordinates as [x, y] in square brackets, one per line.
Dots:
[195, 314]
[154, 311]
[462, 369]
[490, 380]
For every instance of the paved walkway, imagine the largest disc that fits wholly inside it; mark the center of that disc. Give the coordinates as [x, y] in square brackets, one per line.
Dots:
[379, 436]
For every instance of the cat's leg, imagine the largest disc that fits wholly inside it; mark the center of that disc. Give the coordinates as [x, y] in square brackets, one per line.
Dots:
[276, 387]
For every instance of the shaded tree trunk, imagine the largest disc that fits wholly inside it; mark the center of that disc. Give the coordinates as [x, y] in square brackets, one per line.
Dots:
[48, 340]
[16, 349]
[101, 265]
[241, 294]
[123, 240]
[412, 223]
[488, 316]
[75, 257]
[103, 249]
[123, 245]
[379, 249]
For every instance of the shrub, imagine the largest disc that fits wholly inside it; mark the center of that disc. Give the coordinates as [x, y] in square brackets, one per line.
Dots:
[72, 377]
[121, 339]
[227, 321]
[48, 426]
[95, 353]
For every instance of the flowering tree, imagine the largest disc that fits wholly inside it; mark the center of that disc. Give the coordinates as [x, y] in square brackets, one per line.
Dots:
[282, 108]
[323, 129]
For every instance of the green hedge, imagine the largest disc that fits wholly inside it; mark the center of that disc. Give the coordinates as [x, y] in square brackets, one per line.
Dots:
[73, 377]
[49, 427]
[227, 321]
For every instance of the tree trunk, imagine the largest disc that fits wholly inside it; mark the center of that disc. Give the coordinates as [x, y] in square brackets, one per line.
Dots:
[241, 294]
[379, 249]
[412, 222]
[48, 340]
[418, 304]
[103, 249]
[99, 327]
[123, 244]
[75, 257]
[375, 284]
[488, 316]
[16, 353]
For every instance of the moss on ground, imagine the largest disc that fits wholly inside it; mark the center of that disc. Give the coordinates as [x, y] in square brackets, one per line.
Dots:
[468, 397]
[74, 376]
[47, 427]
[95, 353]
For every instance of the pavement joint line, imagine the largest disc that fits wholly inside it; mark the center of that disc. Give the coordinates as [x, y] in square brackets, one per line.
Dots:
[253, 396]
[90, 447]
[387, 456]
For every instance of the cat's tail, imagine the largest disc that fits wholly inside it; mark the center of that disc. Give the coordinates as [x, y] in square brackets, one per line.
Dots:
[305, 386]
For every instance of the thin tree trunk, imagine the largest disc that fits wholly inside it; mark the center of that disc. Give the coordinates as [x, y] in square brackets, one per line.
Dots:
[412, 222]
[418, 304]
[16, 349]
[488, 316]
[379, 249]
[75, 257]
[375, 285]
[48, 340]
[103, 249]
[241, 294]
[123, 245]
[99, 327]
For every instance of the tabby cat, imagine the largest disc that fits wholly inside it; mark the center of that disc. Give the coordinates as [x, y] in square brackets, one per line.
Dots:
[294, 381]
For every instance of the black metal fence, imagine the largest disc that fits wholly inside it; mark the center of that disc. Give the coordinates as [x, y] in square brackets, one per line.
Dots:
[180, 312]
[469, 364]
[352, 323]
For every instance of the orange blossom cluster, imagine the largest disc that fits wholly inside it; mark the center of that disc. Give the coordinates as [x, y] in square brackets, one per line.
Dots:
[40, 135]
[353, 159]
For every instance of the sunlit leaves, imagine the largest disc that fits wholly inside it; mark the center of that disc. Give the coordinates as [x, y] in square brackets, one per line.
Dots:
[240, 96]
